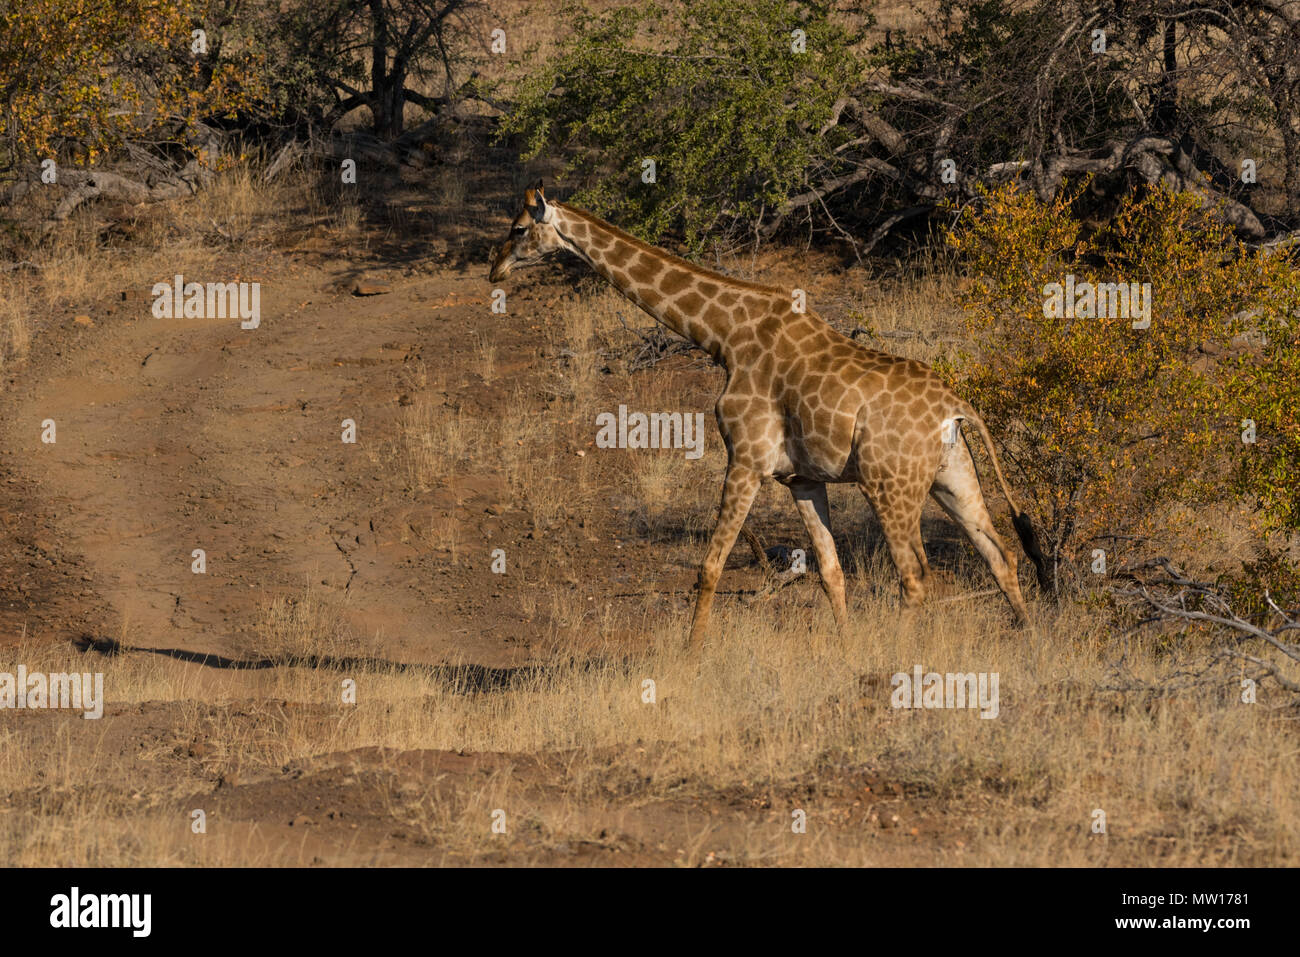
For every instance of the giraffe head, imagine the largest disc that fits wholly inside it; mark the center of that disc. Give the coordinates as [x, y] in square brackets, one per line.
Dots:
[532, 236]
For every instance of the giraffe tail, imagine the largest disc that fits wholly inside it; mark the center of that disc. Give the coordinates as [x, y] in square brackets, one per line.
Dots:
[1024, 527]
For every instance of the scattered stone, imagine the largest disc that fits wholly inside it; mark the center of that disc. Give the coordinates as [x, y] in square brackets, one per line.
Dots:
[83, 320]
[1247, 342]
[370, 289]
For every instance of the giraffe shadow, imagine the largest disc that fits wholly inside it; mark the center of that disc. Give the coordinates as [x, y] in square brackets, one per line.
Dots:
[860, 543]
[863, 548]
[458, 678]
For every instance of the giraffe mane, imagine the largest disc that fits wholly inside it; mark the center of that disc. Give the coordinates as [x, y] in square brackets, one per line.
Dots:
[659, 253]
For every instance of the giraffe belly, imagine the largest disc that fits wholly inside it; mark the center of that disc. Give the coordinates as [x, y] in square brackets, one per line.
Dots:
[796, 461]
[816, 446]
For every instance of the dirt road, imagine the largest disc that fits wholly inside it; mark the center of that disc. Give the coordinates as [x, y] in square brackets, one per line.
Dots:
[180, 434]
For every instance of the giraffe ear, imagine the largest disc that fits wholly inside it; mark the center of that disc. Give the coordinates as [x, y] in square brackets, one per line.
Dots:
[535, 200]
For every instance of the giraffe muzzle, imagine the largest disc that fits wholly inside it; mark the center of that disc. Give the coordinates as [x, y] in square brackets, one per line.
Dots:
[502, 263]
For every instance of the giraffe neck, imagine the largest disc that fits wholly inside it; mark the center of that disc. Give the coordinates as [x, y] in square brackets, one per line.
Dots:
[703, 306]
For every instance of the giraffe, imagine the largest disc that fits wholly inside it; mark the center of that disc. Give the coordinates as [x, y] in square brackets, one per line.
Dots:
[803, 405]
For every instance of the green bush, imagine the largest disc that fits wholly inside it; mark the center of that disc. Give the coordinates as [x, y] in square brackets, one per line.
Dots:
[711, 91]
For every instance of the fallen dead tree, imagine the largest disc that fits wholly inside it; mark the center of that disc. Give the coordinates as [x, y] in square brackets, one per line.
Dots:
[1147, 159]
[139, 177]
[1159, 594]
[858, 137]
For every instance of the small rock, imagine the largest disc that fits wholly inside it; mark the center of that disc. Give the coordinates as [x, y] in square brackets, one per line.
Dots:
[83, 320]
[370, 289]
[302, 820]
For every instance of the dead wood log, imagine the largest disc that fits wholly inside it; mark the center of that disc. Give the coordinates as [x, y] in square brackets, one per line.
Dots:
[84, 185]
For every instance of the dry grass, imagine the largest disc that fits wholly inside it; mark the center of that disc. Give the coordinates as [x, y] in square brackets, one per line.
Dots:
[435, 439]
[438, 442]
[769, 705]
[487, 356]
[586, 328]
[15, 319]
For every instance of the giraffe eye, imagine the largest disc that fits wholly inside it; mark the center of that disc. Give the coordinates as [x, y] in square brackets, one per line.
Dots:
[518, 230]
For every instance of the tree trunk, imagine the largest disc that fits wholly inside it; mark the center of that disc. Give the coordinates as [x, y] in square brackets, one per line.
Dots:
[385, 99]
[1164, 117]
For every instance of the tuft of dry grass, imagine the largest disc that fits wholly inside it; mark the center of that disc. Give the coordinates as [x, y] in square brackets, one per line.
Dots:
[15, 319]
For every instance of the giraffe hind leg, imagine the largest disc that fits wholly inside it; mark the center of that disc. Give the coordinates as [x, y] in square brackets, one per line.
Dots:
[957, 490]
[918, 549]
[900, 520]
[755, 546]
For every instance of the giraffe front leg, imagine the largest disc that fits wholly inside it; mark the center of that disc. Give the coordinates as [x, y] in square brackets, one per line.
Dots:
[738, 493]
